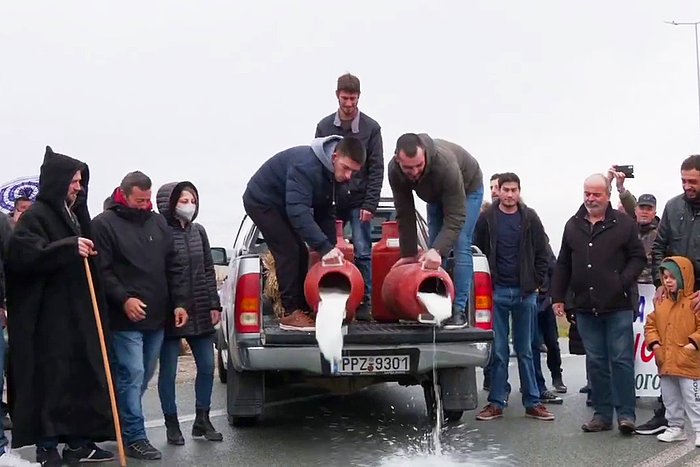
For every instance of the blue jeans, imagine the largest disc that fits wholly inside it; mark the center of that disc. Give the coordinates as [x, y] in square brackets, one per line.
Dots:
[203, 352]
[536, 357]
[135, 356]
[508, 301]
[609, 345]
[464, 262]
[362, 242]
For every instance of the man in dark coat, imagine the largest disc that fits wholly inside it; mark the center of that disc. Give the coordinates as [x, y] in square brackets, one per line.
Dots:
[600, 260]
[358, 199]
[144, 283]
[57, 384]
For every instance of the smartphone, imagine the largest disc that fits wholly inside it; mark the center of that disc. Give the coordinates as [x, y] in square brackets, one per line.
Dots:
[628, 170]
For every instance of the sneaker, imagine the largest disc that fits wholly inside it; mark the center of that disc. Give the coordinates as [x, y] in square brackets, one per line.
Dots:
[585, 390]
[458, 320]
[548, 397]
[297, 321]
[539, 412]
[559, 385]
[596, 425]
[626, 427]
[142, 449]
[11, 459]
[363, 313]
[88, 453]
[48, 457]
[490, 412]
[673, 434]
[657, 424]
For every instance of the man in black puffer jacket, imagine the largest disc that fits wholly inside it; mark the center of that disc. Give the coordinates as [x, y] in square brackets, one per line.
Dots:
[179, 204]
[145, 282]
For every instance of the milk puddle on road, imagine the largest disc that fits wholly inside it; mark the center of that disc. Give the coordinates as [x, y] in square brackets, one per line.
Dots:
[329, 324]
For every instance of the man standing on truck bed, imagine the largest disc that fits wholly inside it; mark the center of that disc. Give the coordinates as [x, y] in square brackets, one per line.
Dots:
[292, 199]
[358, 199]
[449, 179]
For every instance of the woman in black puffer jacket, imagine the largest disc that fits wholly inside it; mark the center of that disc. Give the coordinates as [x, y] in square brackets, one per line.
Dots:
[179, 203]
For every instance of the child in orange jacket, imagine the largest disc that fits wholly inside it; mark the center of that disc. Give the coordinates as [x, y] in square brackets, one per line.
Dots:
[672, 331]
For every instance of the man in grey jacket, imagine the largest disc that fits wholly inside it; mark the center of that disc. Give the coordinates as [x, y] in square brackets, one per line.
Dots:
[448, 178]
[358, 199]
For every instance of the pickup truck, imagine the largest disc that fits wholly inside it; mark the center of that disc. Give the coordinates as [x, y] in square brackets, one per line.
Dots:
[254, 354]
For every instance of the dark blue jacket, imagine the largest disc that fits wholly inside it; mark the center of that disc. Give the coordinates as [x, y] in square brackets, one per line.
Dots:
[300, 184]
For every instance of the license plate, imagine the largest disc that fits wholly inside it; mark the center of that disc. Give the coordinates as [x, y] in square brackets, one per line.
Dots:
[375, 364]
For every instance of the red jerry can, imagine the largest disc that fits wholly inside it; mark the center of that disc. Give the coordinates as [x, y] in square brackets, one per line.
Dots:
[384, 254]
[343, 275]
[402, 284]
[340, 243]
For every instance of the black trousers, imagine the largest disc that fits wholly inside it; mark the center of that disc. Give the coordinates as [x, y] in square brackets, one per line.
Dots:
[550, 336]
[288, 249]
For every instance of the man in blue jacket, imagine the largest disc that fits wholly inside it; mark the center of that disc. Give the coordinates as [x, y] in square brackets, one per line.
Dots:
[292, 199]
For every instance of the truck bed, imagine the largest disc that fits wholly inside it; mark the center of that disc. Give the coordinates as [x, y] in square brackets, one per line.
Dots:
[401, 333]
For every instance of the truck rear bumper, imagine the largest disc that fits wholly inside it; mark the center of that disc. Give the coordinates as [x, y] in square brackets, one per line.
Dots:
[308, 358]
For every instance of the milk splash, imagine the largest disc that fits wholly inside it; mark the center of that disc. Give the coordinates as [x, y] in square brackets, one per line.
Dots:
[329, 322]
[440, 306]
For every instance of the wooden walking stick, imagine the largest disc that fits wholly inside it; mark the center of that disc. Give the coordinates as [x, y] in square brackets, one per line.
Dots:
[105, 361]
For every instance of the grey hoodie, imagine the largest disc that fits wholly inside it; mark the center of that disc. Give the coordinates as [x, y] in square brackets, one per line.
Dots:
[299, 183]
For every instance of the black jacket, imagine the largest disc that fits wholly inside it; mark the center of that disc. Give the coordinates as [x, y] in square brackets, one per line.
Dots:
[138, 259]
[192, 247]
[56, 379]
[300, 185]
[678, 235]
[600, 264]
[5, 232]
[534, 258]
[365, 187]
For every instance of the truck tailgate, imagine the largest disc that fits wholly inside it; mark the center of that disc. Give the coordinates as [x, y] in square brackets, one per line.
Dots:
[378, 334]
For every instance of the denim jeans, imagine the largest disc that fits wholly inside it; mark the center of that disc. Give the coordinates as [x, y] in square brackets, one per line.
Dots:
[537, 358]
[464, 262]
[507, 302]
[609, 343]
[135, 358]
[203, 353]
[362, 242]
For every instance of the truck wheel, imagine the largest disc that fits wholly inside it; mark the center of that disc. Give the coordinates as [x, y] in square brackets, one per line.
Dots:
[243, 422]
[453, 415]
[221, 367]
[430, 406]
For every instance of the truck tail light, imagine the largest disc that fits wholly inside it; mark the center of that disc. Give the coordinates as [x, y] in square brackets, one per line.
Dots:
[483, 301]
[247, 305]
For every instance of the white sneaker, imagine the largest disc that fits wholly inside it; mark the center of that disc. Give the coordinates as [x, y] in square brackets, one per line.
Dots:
[11, 459]
[671, 435]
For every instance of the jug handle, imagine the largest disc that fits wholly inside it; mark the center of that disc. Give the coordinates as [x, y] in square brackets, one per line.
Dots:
[332, 262]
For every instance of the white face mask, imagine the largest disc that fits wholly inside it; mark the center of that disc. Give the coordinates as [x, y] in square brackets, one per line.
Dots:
[185, 211]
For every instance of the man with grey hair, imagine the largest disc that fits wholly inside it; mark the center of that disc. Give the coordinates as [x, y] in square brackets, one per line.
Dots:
[144, 281]
[600, 260]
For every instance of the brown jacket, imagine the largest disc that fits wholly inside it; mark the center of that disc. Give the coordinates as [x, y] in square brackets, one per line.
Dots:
[673, 324]
[450, 175]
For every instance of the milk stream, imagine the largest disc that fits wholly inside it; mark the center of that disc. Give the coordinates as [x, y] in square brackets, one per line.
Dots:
[329, 322]
[440, 306]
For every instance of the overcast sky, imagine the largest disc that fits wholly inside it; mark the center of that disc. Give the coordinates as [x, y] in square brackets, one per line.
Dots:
[207, 91]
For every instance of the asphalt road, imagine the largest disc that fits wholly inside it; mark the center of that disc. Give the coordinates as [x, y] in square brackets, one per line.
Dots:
[387, 426]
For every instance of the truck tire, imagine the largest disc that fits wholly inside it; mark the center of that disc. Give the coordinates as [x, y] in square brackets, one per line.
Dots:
[220, 366]
[245, 396]
[243, 422]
